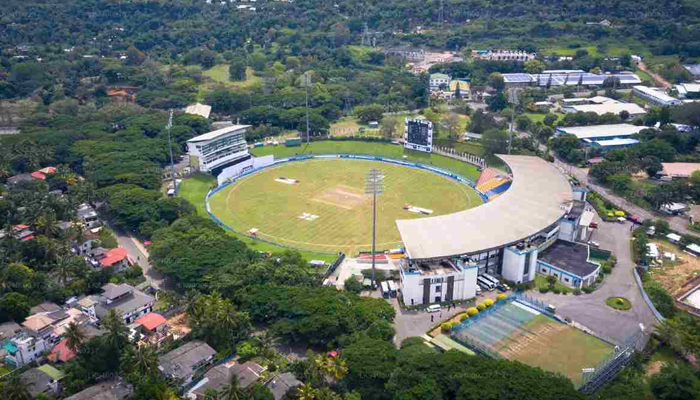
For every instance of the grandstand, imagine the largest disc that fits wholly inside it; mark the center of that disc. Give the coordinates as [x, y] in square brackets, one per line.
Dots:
[492, 183]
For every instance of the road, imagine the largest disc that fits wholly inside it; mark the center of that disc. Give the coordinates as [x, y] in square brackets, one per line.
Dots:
[590, 310]
[677, 223]
[657, 78]
[139, 254]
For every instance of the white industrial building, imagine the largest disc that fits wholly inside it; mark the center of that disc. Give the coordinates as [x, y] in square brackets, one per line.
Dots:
[612, 106]
[656, 96]
[601, 132]
[688, 90]
[445, 254]
[214, 151]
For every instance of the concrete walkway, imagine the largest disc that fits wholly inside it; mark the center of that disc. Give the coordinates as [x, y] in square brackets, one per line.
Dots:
[590, 310]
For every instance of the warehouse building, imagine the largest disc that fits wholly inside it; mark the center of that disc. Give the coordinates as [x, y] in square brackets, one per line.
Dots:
[655, 96]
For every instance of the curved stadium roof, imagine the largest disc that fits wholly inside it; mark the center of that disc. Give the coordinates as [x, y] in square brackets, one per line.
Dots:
[538, 197]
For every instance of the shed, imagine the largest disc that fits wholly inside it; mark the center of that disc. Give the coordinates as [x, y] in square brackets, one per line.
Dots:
[673, 237]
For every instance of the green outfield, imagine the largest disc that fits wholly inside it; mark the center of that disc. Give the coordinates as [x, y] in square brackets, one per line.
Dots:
[327, 210]
[371, 148]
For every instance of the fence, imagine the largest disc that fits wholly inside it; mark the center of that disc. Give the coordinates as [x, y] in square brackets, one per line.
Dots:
[331, 268]
[465, 157]
[415, 165]
[638, 279]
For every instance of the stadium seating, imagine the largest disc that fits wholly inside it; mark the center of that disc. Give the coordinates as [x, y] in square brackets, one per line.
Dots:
[492, 183]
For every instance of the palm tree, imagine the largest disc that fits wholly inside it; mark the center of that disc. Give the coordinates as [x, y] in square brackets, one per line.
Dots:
[16, 389]
[141, 360]
[47, 224]
[306, 392]
[75, 336]
[232, 391]
[116, 329]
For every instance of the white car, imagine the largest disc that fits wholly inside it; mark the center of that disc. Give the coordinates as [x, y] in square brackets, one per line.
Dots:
[433, 308]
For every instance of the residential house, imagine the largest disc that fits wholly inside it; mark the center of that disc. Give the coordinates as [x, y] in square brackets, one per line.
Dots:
[124, 299]
[183, 363]
[62, 353]
[117, 389]
[218, 377]
[91, 240]
[151, 329]
[45, 307]
[9, 329]
[116, 258]
[437, 81]
[42, 380]
[88, 215]
[25, 177]
[281, 384]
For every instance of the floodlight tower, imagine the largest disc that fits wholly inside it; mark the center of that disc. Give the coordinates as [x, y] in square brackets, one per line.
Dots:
[170, 147]
[306, 81]
[513, 100]
[374, 185]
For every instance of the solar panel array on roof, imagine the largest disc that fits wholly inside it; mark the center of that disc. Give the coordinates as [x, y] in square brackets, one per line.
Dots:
[570, 79]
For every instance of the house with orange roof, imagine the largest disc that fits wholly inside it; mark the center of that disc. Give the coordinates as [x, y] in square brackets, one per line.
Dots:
[153, 322]
[117, 258]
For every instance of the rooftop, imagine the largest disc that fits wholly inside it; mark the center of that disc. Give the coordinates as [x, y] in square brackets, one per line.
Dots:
[659, 94]
[571, 257]
[151, 321]
[280, 384]
[110, 390]
[219, 376]
[600, 131]
[539, 196]
[679, 169]
[184, 360]
[694, 69]
[613, 107]
[202, 110]
[124, 303]
[114, 256]
[217, 133]
[616, 142]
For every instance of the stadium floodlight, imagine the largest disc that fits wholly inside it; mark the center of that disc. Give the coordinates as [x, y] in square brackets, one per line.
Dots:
[306, 82]
[374, 185]
[170, 147]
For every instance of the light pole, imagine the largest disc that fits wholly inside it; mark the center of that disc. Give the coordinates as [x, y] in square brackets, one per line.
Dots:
[374, 185]
[513, 100]
[170, 147]
[306, 81]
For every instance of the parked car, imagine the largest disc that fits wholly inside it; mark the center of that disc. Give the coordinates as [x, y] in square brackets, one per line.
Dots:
[433, 308]
[636, 219]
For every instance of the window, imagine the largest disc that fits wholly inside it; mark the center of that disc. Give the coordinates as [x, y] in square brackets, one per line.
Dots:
[566, 279]
[438, 289]
[544, 269]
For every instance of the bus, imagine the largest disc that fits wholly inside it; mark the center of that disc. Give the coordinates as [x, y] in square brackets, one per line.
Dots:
[485, 283]
[385, 289]
[491, 278]
[392, 288]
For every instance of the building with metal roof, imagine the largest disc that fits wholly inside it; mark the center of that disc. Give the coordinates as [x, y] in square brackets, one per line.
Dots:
[656, 96]
[694, 69]
[601, 132]
[567, 78]
[612, 107]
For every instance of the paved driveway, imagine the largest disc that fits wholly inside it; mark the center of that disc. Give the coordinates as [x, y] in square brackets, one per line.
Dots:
[590, 310]
[139, 255]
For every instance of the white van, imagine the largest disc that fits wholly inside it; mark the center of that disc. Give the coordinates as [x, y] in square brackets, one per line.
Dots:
[433, 308]
[485, 283]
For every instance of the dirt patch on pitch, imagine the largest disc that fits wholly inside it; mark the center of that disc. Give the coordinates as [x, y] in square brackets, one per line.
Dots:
[342, 196]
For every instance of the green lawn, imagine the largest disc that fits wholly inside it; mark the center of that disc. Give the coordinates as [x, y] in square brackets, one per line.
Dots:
[383, 149]
[563, 349]
[333, 190]
[195, 188]
[537, 117]
[541, 282]
[218, 75]
[645, 77]
[463, 147]
[619, 303]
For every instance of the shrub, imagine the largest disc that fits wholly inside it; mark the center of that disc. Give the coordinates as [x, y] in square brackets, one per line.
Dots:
[463, 317]
[577, 292]
[454, 324]
[556, 291]
[246, 350]
[488, 302]
[481, 306]
[599, 279]
[620, 302]
[446, 327]
[501, 297]
[607, 269]
[544, 289]
[352, 285]
[472, 311]
[588, 289]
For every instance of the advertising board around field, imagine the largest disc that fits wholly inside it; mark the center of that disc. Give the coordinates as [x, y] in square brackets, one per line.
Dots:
[246, 166]
[419, 135]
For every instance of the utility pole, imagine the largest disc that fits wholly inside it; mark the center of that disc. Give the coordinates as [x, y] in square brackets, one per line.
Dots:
[441, 14]
[170, 147]
[307, 82]
[513, 100]
[374, 185]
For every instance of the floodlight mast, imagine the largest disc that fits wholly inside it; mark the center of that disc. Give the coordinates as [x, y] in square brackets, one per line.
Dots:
[374, 185]
[170, 147]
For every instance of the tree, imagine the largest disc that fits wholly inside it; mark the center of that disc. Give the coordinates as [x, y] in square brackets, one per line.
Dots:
[624, 115]
[369, 113]
[551, 281]
[496, 81]
[236, 70]
[140, 360]
[451, 123]
[352, 285]
[675, 381]
[498, 102]
[495, 141]
[14, 307]
[458, 92]
[523, 123]
[388, 127]
[652, 166]
[534, 66]
[550, 119]
[14, 388]
[75, 336]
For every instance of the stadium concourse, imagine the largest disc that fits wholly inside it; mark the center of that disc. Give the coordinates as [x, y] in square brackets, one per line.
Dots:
[447, 255]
